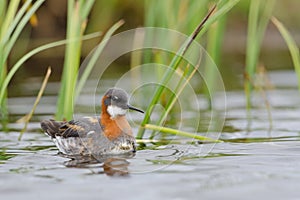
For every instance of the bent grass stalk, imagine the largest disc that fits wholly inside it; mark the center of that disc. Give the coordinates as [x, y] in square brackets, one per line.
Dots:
[180, 133]
[292, 45]
[38, 98]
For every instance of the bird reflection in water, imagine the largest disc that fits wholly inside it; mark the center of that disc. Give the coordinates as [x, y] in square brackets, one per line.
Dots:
[114, 165]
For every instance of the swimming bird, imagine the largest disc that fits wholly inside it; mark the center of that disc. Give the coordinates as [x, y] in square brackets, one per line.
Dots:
[108, 134]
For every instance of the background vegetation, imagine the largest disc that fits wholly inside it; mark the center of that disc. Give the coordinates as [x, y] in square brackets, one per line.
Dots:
[236, 40]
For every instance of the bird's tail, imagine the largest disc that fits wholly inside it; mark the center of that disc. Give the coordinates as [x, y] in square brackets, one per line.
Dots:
[51, 127]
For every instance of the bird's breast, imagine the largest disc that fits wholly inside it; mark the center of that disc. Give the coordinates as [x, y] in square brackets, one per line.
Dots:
[114, 128]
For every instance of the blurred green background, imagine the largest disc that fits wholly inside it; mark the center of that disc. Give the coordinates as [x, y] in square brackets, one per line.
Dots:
[52, 27]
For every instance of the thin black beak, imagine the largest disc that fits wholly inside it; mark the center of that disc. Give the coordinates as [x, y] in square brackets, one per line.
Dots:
[133, 108]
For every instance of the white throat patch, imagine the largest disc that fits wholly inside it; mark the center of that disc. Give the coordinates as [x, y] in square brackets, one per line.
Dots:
[114, 111]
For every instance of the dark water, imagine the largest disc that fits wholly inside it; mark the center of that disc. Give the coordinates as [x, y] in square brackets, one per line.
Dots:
[258, 160]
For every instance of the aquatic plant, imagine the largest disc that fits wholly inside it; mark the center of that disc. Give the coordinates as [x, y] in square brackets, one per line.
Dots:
[77, 15]
[292, 45]
[258, 19]
[12, 25]
[10, 30]
[78, 12]
[222, 8]
[27, 117]
[183, 16]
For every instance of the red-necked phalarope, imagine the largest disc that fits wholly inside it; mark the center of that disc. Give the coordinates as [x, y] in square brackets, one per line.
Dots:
[109, 134]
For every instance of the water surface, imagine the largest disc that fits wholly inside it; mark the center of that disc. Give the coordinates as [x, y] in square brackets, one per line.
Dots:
[258, 160]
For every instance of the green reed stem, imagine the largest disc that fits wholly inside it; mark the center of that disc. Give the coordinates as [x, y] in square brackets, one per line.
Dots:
[71, 63]
[292, 45]
[76, 24]
[258, 18]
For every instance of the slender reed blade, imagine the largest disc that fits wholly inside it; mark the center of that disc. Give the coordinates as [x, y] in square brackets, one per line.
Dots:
[292, 45]
[258, 19]
[62, 91]
[252, 50]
